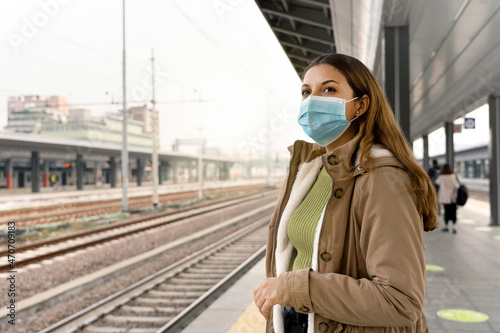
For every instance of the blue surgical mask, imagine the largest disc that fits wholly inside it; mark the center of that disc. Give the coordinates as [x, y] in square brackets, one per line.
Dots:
[323, 118]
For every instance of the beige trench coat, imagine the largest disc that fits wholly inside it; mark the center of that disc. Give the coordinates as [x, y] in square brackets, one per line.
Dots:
[368, 271]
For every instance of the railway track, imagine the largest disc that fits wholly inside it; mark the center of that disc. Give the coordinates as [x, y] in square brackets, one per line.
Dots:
[66, 244]
[169, 299]
[26, 217]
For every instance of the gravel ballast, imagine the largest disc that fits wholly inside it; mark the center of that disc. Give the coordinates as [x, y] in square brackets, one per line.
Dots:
[49, 275]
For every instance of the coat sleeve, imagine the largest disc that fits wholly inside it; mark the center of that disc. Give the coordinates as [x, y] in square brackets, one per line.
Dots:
[391, 243]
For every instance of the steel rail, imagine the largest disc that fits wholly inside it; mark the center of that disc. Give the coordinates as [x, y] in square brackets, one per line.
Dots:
[27, 214]
[92, 313]
[60, 239]
[51, 255]
[192, 311]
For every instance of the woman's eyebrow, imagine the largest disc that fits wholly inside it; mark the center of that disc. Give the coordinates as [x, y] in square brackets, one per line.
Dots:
[328, 81]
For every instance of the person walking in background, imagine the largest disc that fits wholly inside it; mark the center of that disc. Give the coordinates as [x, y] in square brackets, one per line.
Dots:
[433, 172]
[447, 195]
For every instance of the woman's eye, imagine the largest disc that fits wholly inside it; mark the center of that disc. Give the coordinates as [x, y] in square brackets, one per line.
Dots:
[305, 92]
[330, 89]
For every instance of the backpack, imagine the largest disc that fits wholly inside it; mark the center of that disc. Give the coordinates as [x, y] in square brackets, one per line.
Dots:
[462, 194]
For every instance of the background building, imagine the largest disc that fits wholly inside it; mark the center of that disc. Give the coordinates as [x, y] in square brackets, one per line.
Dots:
[50, 116]
[32, 119]
[20, 103]
[108, 128]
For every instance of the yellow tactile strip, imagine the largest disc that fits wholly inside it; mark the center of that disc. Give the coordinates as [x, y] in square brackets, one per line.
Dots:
[250, 321]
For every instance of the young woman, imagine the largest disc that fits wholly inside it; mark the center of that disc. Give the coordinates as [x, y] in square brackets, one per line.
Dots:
[448, 186]
[345, 251]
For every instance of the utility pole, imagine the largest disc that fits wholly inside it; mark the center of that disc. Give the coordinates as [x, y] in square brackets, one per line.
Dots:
[200, 165]
[124, 131]
[268, 146]
[155, 137]
[200, 171]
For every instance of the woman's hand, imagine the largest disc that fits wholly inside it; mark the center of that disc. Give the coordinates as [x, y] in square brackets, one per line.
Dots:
[265, 295]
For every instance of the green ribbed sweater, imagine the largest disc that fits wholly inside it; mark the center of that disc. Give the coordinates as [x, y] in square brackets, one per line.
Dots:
[302, 225]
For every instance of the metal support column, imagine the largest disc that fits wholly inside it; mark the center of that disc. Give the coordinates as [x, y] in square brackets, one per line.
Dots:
[175, 172]
[220, 166]
[200, 173]
[160, 172]
[112, 171]
[397, 75]
[9, 171]
[167, 170]
[124, 162]
[46, 173]
[35, 171]
[79, 172]
[217, 171]
[191, 178]
[97, 174]
[426, 165]
[139, 172]
[494, 105]
[154, 119]
[450, 149]
[225, 173]
[248, 169]
[129, 172]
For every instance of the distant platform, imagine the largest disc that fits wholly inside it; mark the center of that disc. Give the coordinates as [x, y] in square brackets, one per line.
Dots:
[10, 199]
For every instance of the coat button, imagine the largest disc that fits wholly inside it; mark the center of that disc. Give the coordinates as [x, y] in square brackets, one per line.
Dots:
[304, 309]
[339, 193]
[333, 160]
[325, 256]
[323, 327]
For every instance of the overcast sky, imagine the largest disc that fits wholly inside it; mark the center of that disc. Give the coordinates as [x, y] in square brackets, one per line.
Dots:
[223, 49]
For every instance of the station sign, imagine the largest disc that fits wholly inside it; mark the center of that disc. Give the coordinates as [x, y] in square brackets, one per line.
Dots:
[469, 123]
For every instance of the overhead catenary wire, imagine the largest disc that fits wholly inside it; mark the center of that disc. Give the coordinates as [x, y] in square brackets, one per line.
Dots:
[220, 46]
[140, 66]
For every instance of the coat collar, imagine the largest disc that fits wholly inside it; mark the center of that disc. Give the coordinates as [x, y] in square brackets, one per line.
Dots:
[343, 161]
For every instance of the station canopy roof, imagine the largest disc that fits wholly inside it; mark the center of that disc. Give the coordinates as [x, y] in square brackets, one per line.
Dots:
[454, 46]
[303, 27]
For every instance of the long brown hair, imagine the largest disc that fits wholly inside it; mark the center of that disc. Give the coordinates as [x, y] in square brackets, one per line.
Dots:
[446, 170]
[378, 126]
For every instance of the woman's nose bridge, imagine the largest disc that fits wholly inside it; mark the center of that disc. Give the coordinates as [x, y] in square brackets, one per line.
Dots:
[316, 91]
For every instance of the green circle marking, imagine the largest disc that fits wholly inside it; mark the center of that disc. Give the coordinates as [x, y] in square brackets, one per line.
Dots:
[487, 229]
[465, 316]
[466, 221]
[434, 268]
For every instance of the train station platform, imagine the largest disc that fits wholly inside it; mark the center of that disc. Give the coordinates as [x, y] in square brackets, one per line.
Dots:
[463, 283]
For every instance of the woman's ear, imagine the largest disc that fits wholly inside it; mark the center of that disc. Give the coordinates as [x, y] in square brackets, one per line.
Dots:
[363, 104]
